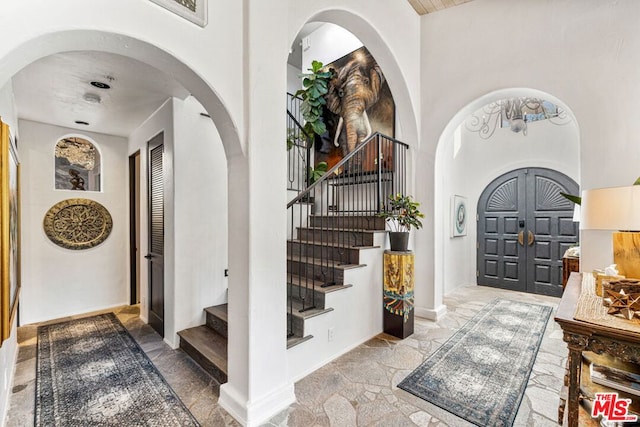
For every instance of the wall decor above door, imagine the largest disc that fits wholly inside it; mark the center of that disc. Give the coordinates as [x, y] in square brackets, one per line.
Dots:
[193, 10]
[77, 223]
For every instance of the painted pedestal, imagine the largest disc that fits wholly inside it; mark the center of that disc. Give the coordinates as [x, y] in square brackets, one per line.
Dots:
[398, 293]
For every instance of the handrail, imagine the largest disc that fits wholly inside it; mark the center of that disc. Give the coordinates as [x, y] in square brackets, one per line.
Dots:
[331, 219]
[341, 163]
[299, 155]
[297, 123]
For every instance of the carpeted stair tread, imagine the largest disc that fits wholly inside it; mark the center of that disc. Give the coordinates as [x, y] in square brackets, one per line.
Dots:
[323, 262]
[219, 311]
[211, 345]
[296, 280]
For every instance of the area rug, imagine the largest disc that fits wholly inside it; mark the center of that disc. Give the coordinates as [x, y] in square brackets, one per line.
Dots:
[481, 372]
[91, 372]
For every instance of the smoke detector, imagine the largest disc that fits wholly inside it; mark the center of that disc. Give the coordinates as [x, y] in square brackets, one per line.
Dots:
[92, 98]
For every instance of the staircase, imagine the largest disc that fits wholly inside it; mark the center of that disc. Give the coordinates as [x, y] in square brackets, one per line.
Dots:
[317, 260]
[207, 344]
[333, 226]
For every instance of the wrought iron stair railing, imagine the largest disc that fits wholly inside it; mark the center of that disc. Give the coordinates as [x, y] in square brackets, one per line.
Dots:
[298, 147]
[337, 214]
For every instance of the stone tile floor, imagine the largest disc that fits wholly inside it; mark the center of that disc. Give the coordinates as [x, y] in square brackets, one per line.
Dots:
[357, 389]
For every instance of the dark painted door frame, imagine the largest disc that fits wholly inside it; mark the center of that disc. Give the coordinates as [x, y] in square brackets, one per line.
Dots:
[155, 257]
[134, 203]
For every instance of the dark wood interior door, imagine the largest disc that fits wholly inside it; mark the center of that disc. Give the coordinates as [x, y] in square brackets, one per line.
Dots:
[524, 228]
[156, 233]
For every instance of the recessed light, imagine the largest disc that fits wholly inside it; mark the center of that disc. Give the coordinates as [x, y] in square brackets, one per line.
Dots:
[80, 122]
[92, 98]
[100, 85]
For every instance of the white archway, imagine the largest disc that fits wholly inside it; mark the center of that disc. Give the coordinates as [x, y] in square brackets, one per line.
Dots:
[78, 40]
[405, 111]
[528, 151]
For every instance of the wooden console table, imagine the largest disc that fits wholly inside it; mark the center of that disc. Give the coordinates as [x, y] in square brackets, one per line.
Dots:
[584, 336]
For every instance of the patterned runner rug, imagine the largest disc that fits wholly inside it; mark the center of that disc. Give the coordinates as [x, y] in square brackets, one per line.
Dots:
[481, 372]
[91, 372]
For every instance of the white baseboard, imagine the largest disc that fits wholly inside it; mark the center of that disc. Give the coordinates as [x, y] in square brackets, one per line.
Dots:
[434, 314]
[253, 414]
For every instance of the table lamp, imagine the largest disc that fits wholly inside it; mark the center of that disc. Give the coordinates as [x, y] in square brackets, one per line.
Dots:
[616, 208]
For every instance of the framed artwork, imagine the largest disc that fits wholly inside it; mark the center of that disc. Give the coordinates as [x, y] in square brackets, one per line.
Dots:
[459, 216]
[9, 231]
[358, 101]
[193, 10]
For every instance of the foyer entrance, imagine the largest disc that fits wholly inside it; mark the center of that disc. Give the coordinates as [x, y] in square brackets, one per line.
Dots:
[524, 227]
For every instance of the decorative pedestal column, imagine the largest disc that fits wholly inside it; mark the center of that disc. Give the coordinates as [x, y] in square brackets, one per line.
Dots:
[398, 293]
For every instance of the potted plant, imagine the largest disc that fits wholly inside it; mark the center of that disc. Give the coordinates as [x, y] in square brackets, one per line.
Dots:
[401, 214]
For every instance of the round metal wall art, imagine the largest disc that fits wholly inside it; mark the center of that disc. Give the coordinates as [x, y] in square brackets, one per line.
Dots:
[77, 224]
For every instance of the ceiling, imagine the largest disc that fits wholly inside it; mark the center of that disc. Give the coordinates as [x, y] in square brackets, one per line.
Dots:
[429, 6]
[55, 90]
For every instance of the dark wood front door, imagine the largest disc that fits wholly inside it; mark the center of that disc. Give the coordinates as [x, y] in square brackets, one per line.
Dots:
[156, 234]
[524, 228]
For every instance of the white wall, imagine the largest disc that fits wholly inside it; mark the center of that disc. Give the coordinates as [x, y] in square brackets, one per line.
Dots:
[200, 204]
[294, 82]
[215, 52]
[196, 235]
[59, 282]
[9, 349]
[468, 170]
[328, 43]
[585, 53]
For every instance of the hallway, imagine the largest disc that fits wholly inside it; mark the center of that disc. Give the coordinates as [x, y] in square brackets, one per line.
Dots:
[356, 389]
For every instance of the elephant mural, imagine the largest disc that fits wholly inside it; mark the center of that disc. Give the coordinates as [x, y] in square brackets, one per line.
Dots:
[354, 89]
[359, 103]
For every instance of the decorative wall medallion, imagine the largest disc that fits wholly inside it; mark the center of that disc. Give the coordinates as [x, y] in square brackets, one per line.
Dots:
[77, 223]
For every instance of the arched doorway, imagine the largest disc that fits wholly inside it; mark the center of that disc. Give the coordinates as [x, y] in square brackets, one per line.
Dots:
[198, 104]
[524, 227]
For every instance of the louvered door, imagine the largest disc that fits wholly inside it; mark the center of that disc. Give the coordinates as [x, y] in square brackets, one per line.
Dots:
[156, 233]
[524, 228]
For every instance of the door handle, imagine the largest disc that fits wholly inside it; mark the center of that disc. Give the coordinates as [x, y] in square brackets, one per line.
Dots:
[148, 256]
[531, 238]
[521, 238]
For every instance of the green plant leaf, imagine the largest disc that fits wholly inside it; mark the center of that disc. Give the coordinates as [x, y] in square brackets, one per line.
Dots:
[319, 128]
[575, 199]
[637, 181]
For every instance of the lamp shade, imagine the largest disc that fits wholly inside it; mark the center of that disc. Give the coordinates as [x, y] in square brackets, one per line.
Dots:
[615, 208]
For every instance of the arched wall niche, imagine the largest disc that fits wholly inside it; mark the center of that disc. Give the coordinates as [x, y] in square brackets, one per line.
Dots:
[553, 147]
[77, 163]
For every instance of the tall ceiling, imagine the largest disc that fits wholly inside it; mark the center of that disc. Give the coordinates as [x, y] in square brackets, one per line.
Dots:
[57, 90]
[429, 6]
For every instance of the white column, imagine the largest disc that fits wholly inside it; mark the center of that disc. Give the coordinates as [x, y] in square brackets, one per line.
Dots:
[258, 386]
